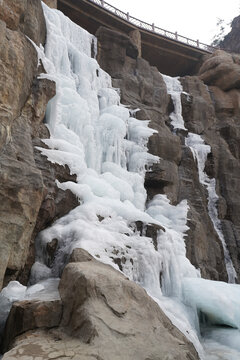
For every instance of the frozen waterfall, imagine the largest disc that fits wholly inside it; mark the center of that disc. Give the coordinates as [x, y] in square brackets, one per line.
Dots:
[200, 151]
[216, 302]
[105, 146]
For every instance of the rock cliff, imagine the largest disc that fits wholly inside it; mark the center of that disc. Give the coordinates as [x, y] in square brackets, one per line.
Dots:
[26, 189]
[231, 41]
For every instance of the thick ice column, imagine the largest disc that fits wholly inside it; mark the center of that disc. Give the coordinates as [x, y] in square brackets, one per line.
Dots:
[174, 88]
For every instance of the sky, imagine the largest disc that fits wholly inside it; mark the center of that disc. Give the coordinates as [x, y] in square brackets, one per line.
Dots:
[195, 19]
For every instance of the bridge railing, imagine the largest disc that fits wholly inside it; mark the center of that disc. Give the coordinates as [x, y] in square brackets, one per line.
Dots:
[152, 27]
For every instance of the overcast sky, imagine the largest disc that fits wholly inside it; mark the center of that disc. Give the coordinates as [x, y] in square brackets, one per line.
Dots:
[194, 19]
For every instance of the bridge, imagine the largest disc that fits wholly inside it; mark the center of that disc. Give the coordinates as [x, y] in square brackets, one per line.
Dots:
[171, 53]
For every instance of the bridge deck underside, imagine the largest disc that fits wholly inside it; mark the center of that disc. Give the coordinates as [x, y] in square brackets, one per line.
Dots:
[170, 57]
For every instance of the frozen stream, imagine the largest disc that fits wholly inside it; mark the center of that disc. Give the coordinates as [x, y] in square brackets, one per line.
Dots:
[105, 146]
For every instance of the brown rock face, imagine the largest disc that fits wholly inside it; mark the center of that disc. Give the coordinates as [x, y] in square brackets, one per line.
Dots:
[16, 79]
[231, 40]
[29, 315]
[110, 308]
[26, 16]
[27, 182]
[222, 70]
[219, 112]
[55, 203]
[51, 3]
[21, 182]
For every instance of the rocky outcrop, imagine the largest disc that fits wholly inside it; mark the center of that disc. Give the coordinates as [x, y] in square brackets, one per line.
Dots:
[21, 182]
[231, 41]
[109, 317]
[213, 111]
[222, 70]
[25, 16]
[24, 183]
[222, 132]
[30, 315]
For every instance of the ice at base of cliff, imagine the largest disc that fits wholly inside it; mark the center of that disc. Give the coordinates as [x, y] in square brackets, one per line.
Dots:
[46, 290]
[218, 301]
[221, 343]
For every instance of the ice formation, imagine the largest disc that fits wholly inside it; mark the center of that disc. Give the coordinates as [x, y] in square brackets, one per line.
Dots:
[14, 291]
[175, 89]
[105, 146]
[200, 151]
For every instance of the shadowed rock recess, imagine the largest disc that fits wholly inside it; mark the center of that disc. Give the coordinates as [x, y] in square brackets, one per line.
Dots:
[100, 314]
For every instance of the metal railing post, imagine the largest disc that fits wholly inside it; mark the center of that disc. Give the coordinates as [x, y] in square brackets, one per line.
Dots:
[176, 35]
[153, 27]
[127, 16]
[198, 43]
[102, 3]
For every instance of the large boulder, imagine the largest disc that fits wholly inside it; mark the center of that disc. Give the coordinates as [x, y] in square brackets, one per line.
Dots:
[30, 315]
[115, 316]
[221, 69]
[105, 316]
